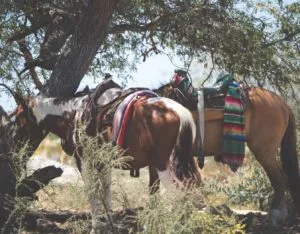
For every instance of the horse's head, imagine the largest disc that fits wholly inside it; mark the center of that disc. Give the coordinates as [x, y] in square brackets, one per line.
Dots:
[26, 127]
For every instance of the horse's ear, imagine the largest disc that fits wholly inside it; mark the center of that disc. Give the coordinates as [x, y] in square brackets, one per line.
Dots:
[17, 96]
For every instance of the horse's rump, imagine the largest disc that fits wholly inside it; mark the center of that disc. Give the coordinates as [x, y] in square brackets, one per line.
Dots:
[161, 132]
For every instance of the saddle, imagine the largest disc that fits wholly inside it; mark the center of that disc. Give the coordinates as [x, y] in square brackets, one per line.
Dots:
[102, 113]
[105, 93]
[214, 97]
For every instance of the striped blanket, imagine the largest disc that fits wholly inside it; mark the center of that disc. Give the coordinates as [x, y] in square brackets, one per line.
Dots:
[123, 113]
[233, 129]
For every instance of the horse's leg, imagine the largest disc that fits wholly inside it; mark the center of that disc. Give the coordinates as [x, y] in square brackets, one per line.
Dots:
[101, 196]
[267, 159]
[106, 190]
[153, 180]
[290, 161]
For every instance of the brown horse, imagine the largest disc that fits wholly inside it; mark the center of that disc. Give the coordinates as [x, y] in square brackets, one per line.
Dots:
[160, 133]
[269, 124]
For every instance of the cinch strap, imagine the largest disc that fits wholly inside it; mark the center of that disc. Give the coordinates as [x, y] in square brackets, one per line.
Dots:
[200, 108]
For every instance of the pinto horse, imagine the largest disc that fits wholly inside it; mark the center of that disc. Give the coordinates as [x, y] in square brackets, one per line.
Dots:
[269, 124]
[160, 133]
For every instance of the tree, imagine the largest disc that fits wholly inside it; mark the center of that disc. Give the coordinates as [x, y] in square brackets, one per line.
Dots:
[61, 41]
[54, 43]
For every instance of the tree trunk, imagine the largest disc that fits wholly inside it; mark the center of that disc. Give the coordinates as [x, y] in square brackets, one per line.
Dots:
[81, 49]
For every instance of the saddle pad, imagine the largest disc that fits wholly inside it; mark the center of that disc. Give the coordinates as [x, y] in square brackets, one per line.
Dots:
[213, 114]
[123, 113]
[233, 129]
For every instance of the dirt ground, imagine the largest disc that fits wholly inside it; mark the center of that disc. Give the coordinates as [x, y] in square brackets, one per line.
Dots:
[125, 220]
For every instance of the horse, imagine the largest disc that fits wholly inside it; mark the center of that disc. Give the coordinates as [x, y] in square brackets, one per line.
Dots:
[269, 123]
[160, 133]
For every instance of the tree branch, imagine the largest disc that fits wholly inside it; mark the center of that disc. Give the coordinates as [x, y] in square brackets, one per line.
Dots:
[286, 38]
[25, 31]
[28, 58]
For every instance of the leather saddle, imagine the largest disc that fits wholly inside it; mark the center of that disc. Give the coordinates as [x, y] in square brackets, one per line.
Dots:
[103, 102]
[214, 97]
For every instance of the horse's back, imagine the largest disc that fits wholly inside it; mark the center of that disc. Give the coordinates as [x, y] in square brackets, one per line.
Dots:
[266, 118]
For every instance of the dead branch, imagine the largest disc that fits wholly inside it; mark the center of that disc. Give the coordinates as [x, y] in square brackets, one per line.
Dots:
[54, 216]
[39, 179]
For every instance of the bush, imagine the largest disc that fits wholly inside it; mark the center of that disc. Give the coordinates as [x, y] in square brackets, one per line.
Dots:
[182, 213]
[249, 187]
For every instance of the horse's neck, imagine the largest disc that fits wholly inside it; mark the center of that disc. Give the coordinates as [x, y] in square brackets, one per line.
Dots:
[57, 125]
[58, 117]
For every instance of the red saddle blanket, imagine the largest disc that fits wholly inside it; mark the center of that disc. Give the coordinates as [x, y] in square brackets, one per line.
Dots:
[124, 112]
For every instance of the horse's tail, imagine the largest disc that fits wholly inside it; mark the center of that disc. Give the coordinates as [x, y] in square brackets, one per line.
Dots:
[182, 163]
[289, 159]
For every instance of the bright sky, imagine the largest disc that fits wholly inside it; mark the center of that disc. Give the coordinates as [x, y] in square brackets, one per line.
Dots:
[155, 71]
[151, 73]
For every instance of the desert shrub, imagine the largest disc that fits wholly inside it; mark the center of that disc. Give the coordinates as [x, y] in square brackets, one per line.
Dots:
[182, 213]
[250, 186]
[253, 188]
[79, 227]
[98, 161]
[62, 197]
[20, 205]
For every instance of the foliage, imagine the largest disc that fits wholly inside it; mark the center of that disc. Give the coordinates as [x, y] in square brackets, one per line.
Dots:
[256, 39]
[251, 187]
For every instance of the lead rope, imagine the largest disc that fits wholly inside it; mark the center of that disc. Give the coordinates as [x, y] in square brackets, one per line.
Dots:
[200, 108]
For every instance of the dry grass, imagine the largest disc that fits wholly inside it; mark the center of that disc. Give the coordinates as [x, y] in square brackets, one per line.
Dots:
[126, 192]
[174, 212]
[133, 192]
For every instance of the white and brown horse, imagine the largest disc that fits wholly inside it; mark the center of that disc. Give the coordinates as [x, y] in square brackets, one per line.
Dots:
[269, 125]
[160, 133]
